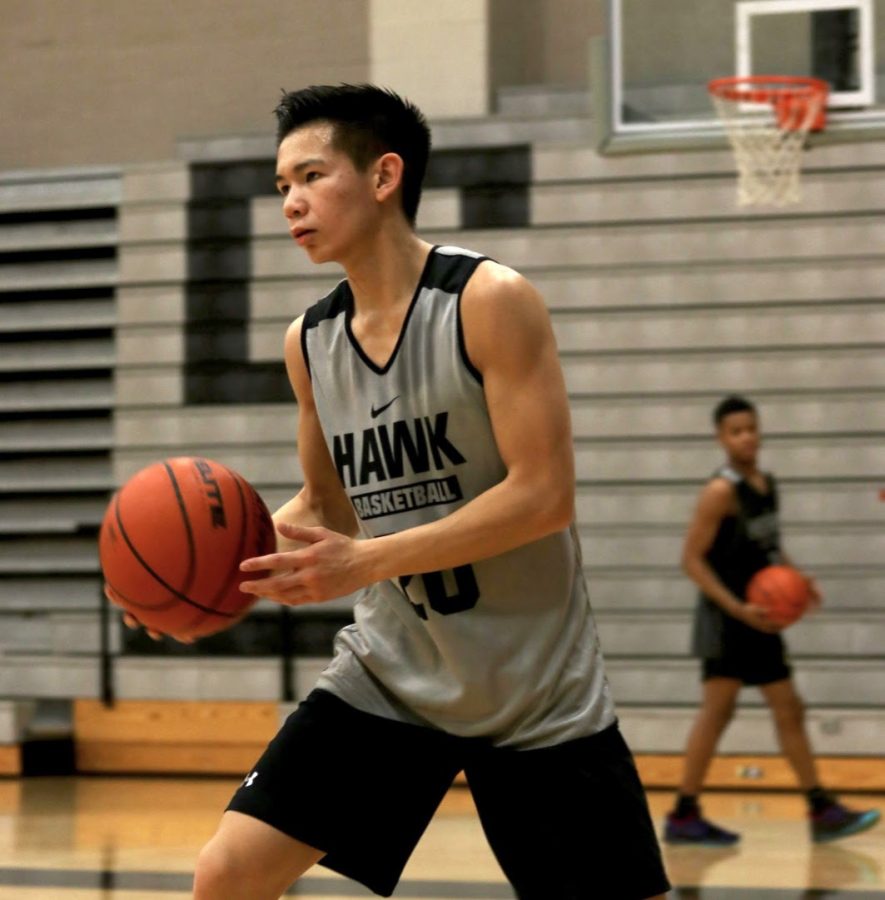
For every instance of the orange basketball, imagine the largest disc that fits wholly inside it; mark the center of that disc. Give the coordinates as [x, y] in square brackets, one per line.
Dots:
[172, 540]
[782, 591]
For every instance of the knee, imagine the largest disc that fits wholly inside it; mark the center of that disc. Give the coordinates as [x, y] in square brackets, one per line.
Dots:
[219, 873]
[790, 714]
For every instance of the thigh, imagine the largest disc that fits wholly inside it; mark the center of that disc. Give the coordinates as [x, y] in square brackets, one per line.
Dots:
[721, 685]
[569, 821]
[358, 787]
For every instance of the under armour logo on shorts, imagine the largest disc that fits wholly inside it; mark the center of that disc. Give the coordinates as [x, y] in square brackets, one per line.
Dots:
[247, 781]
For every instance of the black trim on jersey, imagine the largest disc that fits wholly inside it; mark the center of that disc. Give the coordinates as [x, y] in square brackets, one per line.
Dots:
[446, 272]
[348, 295]
[330, 307]
[450, 273]
[462, 344]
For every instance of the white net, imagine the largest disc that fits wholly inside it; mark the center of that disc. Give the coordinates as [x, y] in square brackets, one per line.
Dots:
[767, 126]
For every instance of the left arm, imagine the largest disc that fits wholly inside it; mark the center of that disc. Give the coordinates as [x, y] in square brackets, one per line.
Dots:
[509, 339]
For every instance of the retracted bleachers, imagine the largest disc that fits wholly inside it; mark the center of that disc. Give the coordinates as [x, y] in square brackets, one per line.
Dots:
[58, 237]
[664, 295]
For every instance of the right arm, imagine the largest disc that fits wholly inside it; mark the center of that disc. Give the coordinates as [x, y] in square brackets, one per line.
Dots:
[715, 503]
[322, 501]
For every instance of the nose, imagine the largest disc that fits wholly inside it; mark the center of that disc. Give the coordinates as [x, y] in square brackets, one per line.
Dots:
[293, 204]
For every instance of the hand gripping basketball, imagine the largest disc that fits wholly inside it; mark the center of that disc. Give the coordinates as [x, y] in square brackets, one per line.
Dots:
[783, 592]
[328, 565]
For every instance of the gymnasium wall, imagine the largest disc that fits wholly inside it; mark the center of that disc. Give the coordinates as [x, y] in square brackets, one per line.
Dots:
[542, 41]
[98, 83]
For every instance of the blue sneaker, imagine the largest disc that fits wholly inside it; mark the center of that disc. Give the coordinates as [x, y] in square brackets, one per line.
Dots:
[837, 821]
[695, 829]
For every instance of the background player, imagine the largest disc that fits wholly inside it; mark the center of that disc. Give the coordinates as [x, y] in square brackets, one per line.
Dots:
[735, 532]
[434, 424]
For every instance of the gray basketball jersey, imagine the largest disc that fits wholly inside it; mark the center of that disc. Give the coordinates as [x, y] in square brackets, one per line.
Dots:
[504, 648]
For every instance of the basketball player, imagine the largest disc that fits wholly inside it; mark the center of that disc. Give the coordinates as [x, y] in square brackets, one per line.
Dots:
[734, 534]
[435, 444]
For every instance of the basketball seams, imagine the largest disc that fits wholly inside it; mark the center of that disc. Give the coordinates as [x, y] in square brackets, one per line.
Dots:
[237, 557]
[191, 544]
[156, 576]
[115, 506]
[186, 585]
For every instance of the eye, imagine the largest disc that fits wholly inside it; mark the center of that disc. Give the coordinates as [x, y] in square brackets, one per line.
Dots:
[283, 189]
[312, 175]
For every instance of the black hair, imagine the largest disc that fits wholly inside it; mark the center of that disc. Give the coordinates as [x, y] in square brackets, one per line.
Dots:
[367, 121]
[734, 403]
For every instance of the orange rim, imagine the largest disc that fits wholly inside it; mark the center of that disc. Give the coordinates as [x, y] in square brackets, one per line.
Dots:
[791, 97]
[767, 88]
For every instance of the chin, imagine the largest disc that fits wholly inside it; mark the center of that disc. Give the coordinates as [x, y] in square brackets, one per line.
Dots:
[316, 255]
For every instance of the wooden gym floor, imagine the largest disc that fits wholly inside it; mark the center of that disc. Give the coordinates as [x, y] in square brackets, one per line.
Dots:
[99, 838]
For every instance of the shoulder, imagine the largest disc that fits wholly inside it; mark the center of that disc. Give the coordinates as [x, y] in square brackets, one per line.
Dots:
[717, 495]
[334, 304]
[297, 361]
[496, 291]
[503, 317]
[293, 335]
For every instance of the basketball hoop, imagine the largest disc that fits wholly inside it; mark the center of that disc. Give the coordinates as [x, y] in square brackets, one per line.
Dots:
[767, 118]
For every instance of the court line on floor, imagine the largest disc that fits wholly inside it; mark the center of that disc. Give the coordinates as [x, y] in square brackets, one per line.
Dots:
[181, 881]
[105, 879]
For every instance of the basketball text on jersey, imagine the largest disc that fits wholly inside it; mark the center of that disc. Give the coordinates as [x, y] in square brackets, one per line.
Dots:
[412, 496]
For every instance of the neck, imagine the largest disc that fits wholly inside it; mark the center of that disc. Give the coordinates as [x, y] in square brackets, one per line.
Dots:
[384, 271]
[746, 469]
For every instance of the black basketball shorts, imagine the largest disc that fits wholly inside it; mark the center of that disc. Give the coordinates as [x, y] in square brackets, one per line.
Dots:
[756, 662]
[568, 822]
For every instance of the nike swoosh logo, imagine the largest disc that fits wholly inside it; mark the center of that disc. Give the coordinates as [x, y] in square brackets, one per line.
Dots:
[377, 412]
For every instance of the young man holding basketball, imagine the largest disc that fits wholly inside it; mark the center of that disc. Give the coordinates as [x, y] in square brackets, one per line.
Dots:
[434, 426]
[734, 534]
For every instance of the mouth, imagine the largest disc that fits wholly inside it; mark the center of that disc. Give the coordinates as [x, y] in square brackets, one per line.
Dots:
[301, 234]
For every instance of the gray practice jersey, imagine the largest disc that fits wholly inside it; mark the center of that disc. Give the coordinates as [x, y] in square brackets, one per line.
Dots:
[504, 648]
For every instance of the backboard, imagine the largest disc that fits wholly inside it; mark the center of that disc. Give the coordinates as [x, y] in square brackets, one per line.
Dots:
[662, 53]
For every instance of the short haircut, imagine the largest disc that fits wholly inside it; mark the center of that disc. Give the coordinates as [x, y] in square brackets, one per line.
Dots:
[734, 403]
[367, 122]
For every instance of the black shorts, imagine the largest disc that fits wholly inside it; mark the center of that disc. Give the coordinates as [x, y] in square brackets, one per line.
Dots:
[763, 663]
[568, 822]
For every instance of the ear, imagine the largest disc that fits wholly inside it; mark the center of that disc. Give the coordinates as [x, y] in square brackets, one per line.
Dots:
[388, 175]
